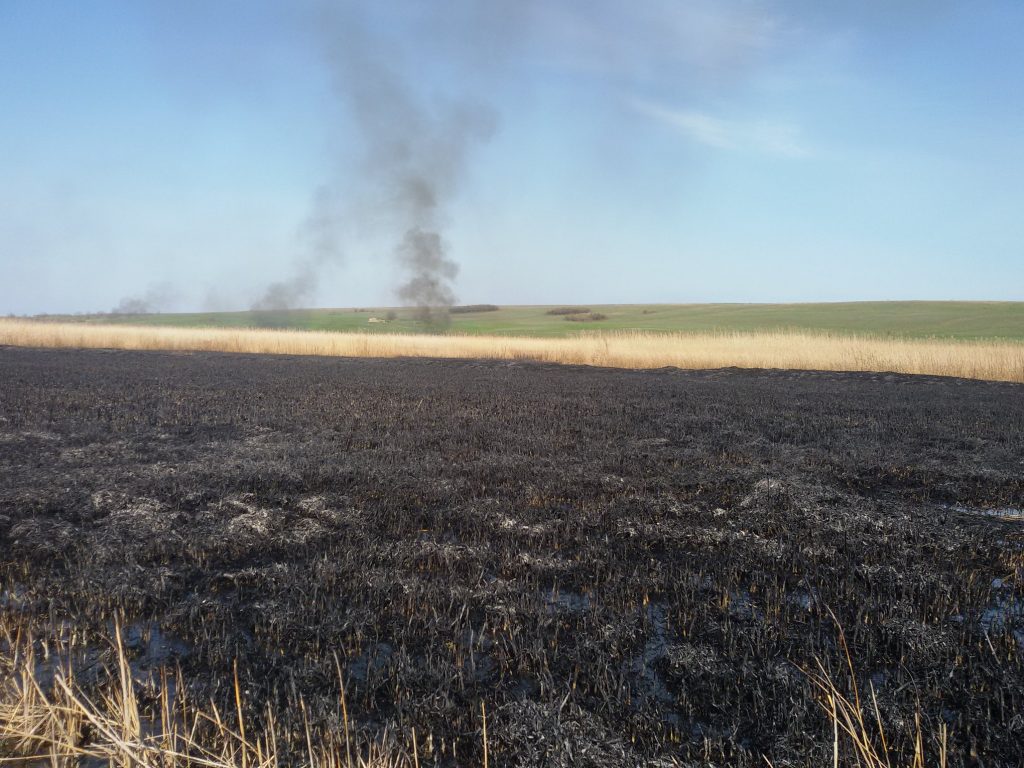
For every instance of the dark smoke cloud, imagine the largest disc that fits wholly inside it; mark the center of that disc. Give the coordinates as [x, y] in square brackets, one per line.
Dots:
[413, 153]
[157, 298]
[422, 254]
[292, 292]
[321, 244]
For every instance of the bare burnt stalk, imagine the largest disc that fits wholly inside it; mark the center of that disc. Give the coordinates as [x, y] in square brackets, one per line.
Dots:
[356, 559]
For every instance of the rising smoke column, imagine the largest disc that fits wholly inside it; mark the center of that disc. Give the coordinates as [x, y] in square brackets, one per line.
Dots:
[157, 298]
[320, 233]
[414, 153]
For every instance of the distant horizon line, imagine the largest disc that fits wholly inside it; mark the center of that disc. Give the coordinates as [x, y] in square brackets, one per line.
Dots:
[367, 307]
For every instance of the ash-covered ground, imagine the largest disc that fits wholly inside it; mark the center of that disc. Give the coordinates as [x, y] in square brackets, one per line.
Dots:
[627, 568]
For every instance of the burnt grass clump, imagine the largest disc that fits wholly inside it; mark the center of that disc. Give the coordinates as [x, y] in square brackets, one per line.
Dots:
[626, 568]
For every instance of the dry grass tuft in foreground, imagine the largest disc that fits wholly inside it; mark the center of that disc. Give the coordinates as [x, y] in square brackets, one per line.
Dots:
[864, 730]
[995, 361]
[48, 718]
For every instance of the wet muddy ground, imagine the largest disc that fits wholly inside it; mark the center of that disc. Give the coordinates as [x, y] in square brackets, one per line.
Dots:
[626, 568]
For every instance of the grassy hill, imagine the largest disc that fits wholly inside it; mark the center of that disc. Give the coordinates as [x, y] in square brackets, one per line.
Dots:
[911, 319]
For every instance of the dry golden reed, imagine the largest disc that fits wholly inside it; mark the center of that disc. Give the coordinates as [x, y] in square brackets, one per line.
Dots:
[48, 719]
[991, 360]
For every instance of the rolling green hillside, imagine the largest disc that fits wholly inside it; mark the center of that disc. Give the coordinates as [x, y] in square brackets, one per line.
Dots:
[961, 320]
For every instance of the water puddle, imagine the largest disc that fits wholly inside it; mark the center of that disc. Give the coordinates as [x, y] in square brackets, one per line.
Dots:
[1001, 513]
[85, 665]
[147, 648]
[1004, 615]
[150, 649]
[370, 662]
[642, 669]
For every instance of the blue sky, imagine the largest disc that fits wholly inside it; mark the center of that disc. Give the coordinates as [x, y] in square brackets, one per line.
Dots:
[649, 151]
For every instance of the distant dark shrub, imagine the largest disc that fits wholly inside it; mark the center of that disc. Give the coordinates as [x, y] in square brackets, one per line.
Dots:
[468, 308]
[590, 317]
[568, 310]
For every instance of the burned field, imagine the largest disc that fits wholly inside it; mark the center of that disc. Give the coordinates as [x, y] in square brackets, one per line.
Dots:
[625, 568]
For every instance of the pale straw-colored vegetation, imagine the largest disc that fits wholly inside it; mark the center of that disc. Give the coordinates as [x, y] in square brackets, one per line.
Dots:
[992, 360]
[48, 718]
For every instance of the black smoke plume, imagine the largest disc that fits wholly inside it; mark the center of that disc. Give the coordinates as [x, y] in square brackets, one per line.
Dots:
[157, 298]
[321, 235]
[413, 151]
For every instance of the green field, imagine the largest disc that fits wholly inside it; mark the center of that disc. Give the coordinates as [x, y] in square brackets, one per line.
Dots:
[914, 319]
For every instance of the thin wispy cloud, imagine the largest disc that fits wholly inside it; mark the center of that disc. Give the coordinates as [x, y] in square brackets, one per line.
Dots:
[761, 136]
[702, 41]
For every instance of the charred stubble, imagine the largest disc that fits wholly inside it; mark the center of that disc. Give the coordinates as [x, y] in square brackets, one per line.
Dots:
[624, 566]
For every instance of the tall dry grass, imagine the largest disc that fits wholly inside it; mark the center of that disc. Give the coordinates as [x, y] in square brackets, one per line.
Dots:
[47, 718]
[858, 733]
[992, 360]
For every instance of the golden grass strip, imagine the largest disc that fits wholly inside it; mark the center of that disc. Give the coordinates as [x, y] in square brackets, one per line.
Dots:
[991, 360]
